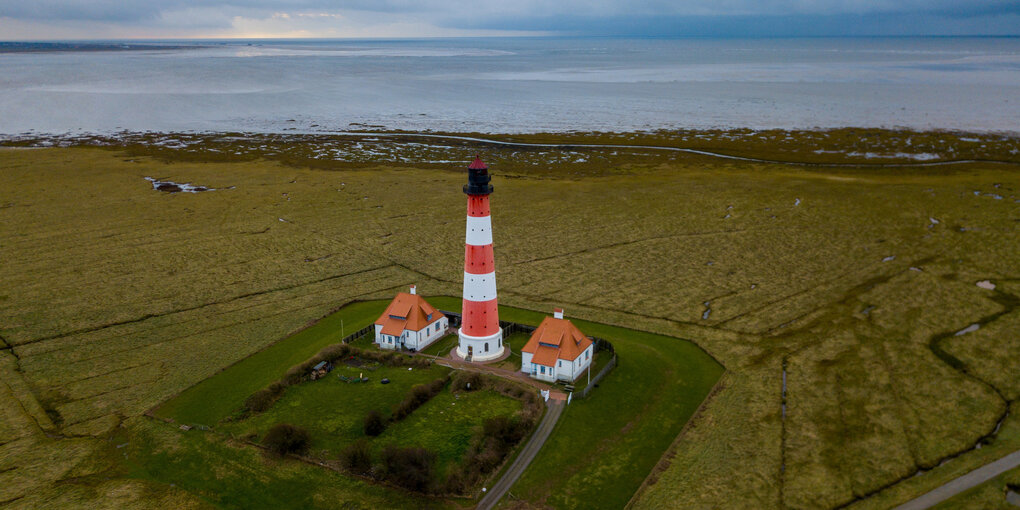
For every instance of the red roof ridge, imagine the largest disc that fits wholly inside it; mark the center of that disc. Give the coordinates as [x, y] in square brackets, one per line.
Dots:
[415, 311]
[478, 164]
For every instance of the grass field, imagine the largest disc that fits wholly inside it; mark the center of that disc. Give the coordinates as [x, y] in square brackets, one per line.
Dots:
[217, 397]
[443, 346]
[333, 411]
[117, 297]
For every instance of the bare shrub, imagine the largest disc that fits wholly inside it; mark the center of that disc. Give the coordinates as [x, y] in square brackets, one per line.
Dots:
[411, 468]
[260, 401]
[374, 423]
[419, 395]
[357, 457]
[284, 438]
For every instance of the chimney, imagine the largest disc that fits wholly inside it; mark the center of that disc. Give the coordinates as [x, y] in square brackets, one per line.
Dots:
[413, 289]
[558, 313]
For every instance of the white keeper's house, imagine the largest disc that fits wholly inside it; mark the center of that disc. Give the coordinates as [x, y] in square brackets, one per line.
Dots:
[557, 350]
[409, 322]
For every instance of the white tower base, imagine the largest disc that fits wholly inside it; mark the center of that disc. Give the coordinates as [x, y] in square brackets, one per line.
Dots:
[477, 346]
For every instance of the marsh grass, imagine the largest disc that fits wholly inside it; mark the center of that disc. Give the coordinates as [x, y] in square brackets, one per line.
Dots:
[117, 297]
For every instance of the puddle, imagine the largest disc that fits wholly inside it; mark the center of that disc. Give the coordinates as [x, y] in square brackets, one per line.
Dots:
[176, 187]
[933, 222]
[867, 310]
[708, 310]
[969, 329]
[796, 202]
[912, 268]
[890, 258]
[986, 284]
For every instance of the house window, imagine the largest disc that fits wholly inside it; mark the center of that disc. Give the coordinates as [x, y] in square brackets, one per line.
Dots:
[586, 353]
[543, 369]
[561, 363]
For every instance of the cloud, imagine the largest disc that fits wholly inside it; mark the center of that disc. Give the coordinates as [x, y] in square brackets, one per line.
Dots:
[331, 18]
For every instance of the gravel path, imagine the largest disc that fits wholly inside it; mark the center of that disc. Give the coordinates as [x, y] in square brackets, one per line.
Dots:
[967, 481]
[527, 454]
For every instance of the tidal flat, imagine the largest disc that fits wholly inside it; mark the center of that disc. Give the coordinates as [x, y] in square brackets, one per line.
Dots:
[116, 296]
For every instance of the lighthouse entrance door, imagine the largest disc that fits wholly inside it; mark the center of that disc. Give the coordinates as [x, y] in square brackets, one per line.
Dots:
[471, 350]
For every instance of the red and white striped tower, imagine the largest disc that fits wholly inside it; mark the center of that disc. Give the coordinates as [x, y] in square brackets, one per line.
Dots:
[481, 338]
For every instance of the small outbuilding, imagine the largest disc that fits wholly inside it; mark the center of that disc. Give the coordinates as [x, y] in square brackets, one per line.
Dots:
[320, 369]
[410, 322]
[557, 350]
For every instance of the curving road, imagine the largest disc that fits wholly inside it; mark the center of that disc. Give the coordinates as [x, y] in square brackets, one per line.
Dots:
[527, 455]
[962, 483]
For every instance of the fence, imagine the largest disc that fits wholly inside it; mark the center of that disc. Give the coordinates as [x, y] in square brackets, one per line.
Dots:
[598, 377]
[358, 334]
[509, 328]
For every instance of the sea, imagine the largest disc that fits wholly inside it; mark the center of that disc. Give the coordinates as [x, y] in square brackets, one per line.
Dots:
[511, 85]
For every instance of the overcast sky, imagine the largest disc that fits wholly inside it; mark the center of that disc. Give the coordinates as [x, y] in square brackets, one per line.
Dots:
[133, 19]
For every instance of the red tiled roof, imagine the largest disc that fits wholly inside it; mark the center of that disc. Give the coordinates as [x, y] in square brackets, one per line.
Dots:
[560, 337]
[545, 356]
[414, 312]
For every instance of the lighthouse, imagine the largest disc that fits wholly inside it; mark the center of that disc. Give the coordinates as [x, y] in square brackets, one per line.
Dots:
[481, 338]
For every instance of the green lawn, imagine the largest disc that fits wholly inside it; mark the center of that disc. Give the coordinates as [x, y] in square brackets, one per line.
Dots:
[333, 411]
[443, 346]
[599, 454]
[234, 476]
[515, 342]
[604, 446]
[218, 396]
[599, 362]
[446, 423]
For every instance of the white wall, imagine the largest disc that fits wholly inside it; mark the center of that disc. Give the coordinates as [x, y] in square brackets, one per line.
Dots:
[526, 362]
[568, 371]
[417, 340]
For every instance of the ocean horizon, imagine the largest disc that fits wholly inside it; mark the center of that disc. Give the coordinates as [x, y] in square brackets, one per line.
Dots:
[511, 85]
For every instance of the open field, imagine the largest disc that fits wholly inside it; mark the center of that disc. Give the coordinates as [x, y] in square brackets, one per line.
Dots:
[847, 280]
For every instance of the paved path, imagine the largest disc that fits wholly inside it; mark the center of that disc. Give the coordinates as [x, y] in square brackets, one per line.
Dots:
[527, 454]
[514, 375]
[967, 481]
